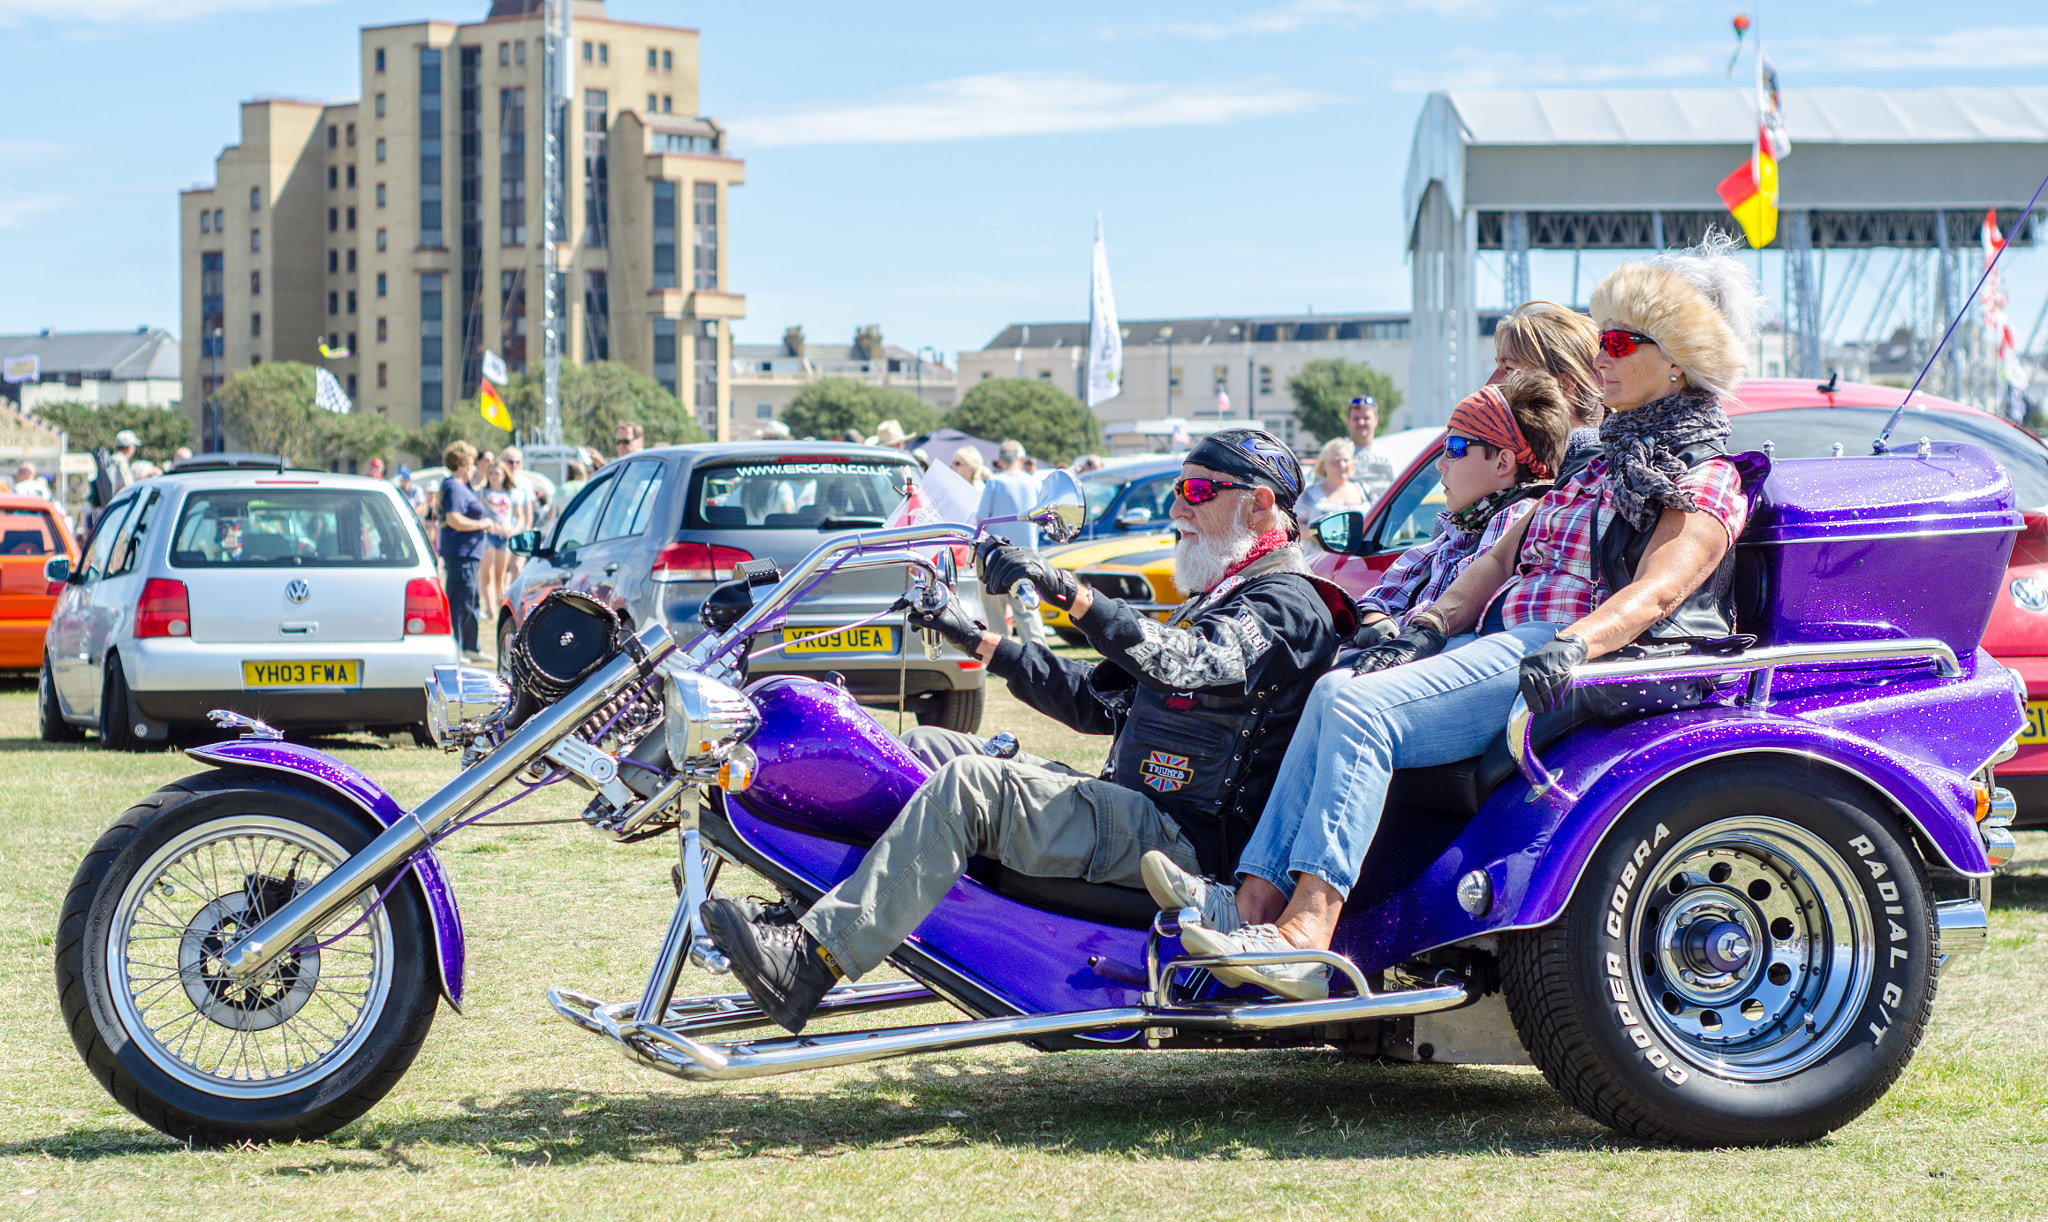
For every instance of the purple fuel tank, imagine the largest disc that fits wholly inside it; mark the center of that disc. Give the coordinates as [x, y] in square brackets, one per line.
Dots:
[826, 766]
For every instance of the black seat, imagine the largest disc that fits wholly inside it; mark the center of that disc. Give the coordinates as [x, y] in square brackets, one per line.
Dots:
[1125, 907]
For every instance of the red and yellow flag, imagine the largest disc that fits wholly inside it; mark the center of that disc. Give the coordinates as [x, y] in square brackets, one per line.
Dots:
[1751, 193]
[493, 407]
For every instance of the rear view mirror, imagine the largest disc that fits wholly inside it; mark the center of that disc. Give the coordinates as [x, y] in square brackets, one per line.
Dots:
[1343, 533]
[949, 572]
[1062, 508]
[57, 570]
[524, 543]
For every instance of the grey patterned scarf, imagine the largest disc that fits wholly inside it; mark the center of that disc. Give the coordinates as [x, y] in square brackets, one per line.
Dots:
[1642, 452]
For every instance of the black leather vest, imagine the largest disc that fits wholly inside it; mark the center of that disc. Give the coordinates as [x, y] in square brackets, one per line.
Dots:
[1707, 616]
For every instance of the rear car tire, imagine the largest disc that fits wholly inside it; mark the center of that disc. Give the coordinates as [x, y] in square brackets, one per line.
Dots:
[956, 710]
[505, 635]
[1749, 958]
[50, 714]
[117, 711]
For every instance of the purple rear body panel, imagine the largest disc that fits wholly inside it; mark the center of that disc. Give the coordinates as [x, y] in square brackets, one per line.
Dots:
[357, 787]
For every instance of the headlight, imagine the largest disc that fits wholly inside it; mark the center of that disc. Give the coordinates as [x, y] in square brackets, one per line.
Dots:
[464, 703]
[704, 719]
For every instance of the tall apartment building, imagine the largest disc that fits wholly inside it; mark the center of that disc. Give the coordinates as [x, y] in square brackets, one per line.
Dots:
[405, 227]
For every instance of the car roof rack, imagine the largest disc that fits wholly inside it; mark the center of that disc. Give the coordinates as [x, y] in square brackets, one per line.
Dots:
[227, 462]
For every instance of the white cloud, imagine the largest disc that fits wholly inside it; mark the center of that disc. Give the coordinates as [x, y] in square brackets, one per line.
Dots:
[14, 152]
[1304, 14]
[114, 12]
[18, 210]
[1022, 104]
[1978, 47]
[1486, 68]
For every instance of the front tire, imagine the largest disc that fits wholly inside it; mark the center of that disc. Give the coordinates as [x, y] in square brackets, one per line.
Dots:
[308, 1047]
[1748, 959]
[50, 721]
[955, 710]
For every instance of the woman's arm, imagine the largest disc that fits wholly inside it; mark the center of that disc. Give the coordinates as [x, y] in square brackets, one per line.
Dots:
[1461, 605]
[1682, 554]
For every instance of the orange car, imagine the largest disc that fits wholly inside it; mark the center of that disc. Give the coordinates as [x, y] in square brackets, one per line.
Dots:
[31, 532]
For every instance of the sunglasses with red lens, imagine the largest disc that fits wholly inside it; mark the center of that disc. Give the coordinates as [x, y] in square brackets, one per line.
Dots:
[1619, 344]
[1199, 490]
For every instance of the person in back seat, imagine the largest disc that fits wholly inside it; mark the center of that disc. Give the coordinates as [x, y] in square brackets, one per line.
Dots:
[1202, 707]
[1504, 443]
[1638, 544]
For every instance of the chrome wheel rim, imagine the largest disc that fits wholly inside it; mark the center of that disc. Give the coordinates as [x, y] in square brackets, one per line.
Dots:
[1754, 948]
[296, 1022]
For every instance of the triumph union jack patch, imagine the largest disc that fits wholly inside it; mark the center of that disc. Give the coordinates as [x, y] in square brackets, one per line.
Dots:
[1164, 772]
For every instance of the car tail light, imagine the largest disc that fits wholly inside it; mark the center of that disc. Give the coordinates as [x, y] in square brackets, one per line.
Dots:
[426, 608]
[164, 609]
[682, 561]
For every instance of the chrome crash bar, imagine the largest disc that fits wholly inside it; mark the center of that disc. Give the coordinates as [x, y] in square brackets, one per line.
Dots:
[1760, 664]
[413, 831]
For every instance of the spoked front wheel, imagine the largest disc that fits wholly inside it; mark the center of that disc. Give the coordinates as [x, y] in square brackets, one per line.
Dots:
[300, 1050]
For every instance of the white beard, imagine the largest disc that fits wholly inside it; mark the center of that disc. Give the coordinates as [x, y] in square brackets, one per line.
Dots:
[1200, 564]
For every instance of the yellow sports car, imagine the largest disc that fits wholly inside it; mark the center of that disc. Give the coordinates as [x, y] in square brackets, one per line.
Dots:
[1137, 570]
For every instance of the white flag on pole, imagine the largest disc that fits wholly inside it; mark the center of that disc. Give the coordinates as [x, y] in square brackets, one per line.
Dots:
[1105, 338]
[328, 393]
[494, 368]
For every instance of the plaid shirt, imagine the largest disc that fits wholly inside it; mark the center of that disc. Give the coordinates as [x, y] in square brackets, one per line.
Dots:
[1557, 575]
[1420, 575]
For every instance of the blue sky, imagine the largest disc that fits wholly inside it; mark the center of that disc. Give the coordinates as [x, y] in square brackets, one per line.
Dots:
[937, 168]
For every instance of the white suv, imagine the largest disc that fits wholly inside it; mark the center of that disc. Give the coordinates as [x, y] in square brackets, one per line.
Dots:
[306, 599]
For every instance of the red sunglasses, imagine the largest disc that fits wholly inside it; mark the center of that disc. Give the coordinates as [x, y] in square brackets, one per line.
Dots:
[1619, 344]
[1199, 490]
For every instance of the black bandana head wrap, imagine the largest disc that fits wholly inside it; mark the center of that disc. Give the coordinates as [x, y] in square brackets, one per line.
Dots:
[1255, 456]
[1642, 452]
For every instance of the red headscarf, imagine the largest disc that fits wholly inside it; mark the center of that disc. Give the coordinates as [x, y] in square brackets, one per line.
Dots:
[1484, 415]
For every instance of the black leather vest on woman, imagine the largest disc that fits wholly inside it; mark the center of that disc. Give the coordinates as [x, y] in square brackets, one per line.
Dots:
[1706, 619]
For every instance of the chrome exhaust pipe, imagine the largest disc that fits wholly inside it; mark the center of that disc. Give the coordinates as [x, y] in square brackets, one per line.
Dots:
[283, 929]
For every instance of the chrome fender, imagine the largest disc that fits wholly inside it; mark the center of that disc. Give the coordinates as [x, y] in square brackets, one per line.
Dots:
[355, 785]
[1611, 771]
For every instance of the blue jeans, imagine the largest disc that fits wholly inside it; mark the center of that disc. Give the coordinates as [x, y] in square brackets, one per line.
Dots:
[462, 595]
[1356, 729]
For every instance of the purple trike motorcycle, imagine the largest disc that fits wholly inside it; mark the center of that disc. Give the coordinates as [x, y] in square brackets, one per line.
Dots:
[1715, 917]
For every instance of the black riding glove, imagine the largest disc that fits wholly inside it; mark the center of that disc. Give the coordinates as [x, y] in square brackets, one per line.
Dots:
[1377, 632]
[1003, 565]
[1415, 642]
[1547, 673]
[952, 622]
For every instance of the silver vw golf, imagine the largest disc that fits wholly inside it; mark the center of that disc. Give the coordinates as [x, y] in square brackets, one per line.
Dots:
[306, 599]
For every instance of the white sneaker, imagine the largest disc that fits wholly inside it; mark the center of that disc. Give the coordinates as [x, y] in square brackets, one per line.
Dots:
[1300, 981]
[1173, 889]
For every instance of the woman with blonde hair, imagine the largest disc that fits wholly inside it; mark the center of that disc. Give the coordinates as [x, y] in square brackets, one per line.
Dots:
[969, 465]
[1543, 336]
[1332, 490]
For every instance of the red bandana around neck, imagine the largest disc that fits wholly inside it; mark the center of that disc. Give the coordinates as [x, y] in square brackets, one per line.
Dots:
[1271, 541]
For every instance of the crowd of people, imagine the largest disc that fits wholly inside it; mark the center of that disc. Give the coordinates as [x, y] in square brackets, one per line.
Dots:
[1591, 506]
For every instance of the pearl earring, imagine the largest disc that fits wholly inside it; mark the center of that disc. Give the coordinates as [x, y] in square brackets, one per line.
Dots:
[1674, 377]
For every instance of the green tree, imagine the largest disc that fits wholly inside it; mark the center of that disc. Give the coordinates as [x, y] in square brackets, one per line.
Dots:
[595, 398]
[1053, 425]
[90, 426]
[829, 406]
[269, 409]
[1324, 389]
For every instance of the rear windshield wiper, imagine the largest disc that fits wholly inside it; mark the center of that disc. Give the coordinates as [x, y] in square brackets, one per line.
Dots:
[836, 523]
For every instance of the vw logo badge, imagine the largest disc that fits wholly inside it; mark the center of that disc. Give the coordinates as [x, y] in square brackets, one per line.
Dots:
[567, 639]
[298, 591]
[2031, 593]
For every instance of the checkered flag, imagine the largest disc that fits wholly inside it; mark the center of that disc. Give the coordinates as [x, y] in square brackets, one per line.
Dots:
[328, 393]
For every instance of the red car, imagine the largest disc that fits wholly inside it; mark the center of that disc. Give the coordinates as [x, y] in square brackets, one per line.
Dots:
[31, 532]
[1805, 420]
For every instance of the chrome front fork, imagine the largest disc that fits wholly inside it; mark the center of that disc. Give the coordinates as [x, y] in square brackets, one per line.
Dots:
[686, 937]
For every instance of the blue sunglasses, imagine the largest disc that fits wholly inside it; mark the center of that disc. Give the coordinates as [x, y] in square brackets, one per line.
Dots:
[1457, 446]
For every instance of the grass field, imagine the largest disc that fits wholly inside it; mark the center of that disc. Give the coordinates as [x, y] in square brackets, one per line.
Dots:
[511, 1113]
